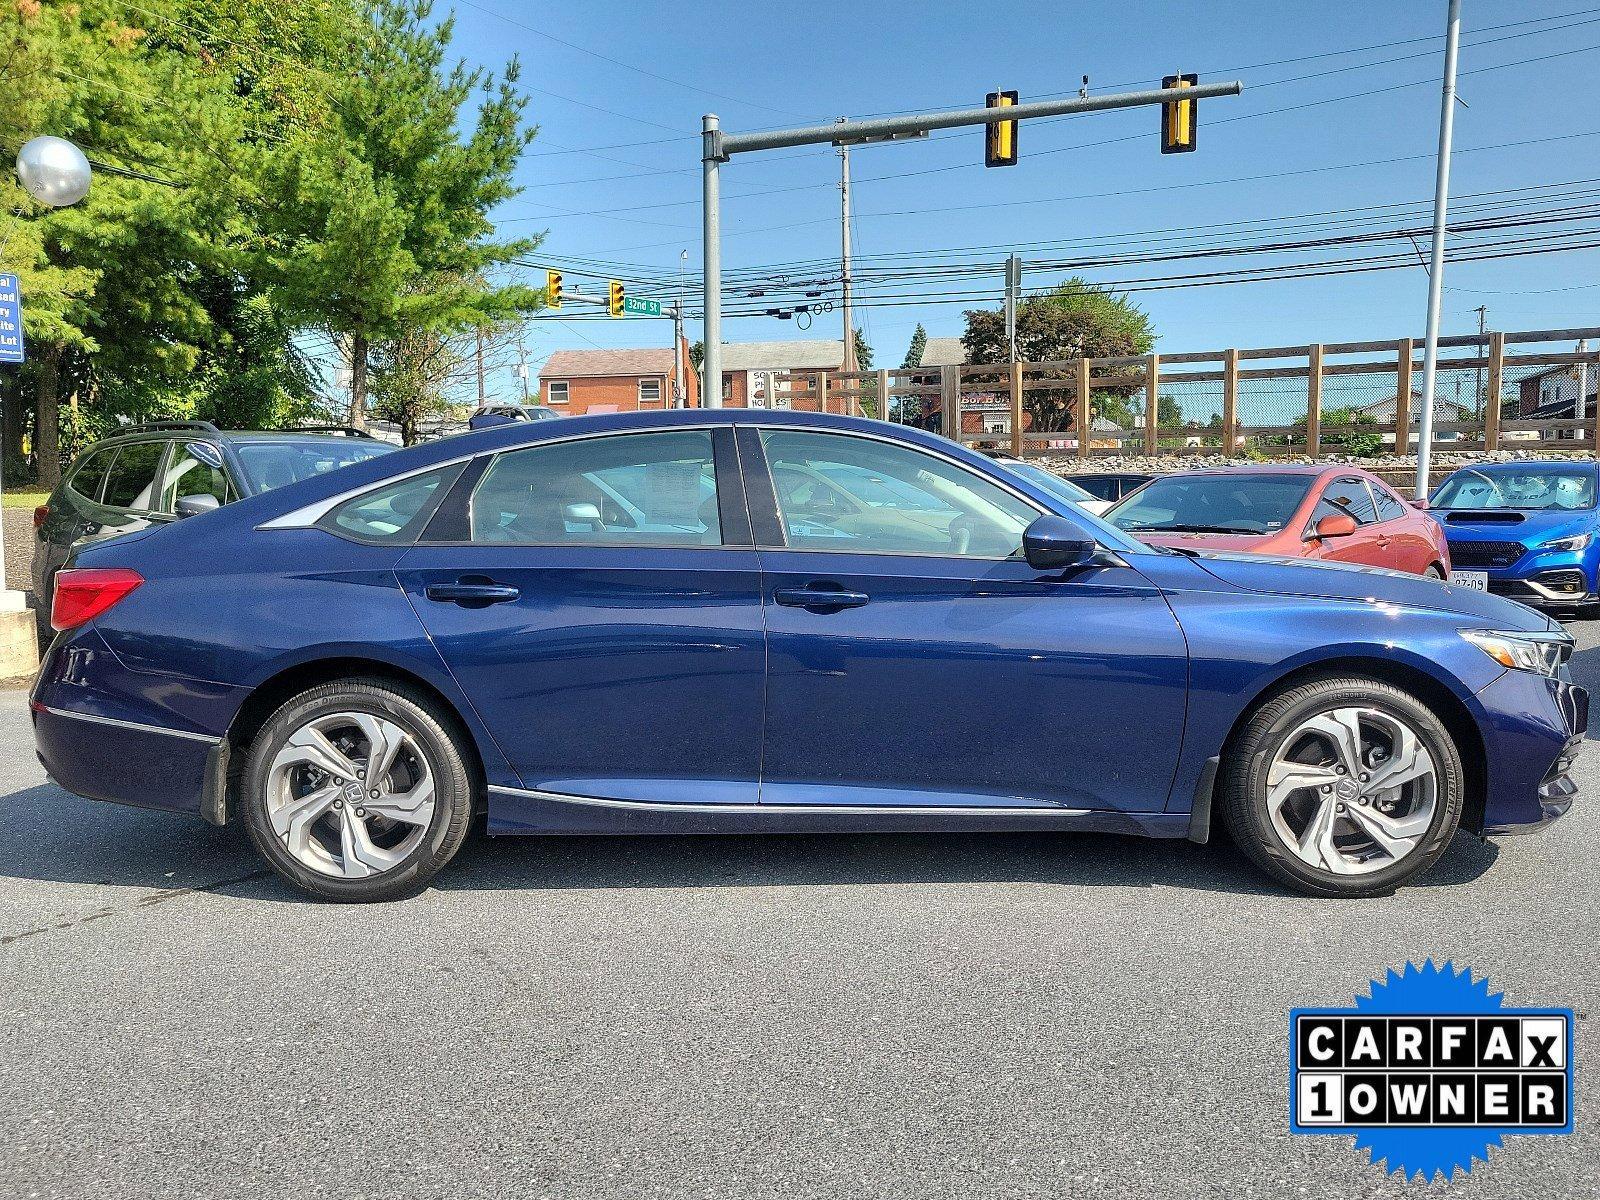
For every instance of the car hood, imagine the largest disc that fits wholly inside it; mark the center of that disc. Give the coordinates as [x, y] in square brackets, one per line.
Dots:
[1344, 581]
[1513, 525]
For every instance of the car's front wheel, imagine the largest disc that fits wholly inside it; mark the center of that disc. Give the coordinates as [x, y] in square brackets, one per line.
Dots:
[1343, 787]
[357, 790]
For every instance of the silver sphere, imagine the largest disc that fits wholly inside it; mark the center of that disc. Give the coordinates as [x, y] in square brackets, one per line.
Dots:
[53, 171]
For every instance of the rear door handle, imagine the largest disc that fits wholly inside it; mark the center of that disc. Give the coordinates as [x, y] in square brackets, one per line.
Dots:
[819, 598]
[473, 593]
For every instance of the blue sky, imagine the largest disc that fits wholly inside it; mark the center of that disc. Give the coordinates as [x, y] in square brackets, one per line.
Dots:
[775, 65]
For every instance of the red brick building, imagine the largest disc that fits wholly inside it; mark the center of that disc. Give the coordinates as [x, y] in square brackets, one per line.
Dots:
[575, 382]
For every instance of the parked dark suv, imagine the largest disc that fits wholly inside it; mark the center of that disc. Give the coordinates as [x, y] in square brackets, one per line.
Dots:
[170, 469]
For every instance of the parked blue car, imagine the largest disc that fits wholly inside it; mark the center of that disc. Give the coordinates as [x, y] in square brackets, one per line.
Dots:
[742, 621]
[1529, 530]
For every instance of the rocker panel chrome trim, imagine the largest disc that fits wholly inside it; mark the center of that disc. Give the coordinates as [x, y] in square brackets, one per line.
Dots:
[774, 809]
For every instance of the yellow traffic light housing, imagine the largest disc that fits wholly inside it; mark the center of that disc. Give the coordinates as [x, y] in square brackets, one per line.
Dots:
[552, 289]
[1178, 118]
[1000, 137]
[615, 301]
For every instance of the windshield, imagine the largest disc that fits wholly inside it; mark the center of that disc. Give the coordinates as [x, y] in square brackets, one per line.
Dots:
[1527, 488]
[1054, 485]
[272, 464]
[1212, 504]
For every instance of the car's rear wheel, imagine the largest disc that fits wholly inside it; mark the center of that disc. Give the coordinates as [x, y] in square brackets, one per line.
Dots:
[1434, 572]
[357, 790]
[1343, 787]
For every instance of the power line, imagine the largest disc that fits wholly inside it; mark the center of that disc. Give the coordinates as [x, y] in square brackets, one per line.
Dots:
[624, 65]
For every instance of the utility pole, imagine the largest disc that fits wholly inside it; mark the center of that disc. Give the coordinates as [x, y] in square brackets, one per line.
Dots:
[522, 369]
[849, 360]
[1441, 200]
[480, 368]
[1483, 348]
[717, 148]
[1013, 298]
[680, 392]
[1581, 410]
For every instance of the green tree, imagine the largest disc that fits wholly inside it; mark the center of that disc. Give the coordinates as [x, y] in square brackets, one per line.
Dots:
[377, 218]
[139, 301]
[1074, 320]
[919, 343]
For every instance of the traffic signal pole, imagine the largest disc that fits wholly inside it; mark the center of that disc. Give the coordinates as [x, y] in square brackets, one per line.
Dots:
[718, 148]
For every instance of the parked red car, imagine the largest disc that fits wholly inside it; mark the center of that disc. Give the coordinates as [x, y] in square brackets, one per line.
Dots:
[1333, 512]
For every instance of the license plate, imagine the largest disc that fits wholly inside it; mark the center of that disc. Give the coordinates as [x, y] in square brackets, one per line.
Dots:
[1477, 581]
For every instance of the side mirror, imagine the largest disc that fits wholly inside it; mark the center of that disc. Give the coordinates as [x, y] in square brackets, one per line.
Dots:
[193, 506]
[1335, 525]
[1421, 504]
[1053, 542]
[582, 513]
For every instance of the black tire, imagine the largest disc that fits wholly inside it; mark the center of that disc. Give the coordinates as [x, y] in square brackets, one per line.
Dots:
[1242, 785]
[1433, 572]
[436, 735]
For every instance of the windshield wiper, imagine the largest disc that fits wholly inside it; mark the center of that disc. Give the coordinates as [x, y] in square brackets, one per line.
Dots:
[1181, 528]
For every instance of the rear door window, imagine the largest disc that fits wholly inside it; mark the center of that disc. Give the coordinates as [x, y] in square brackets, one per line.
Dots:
[640, 489]
[131, 482]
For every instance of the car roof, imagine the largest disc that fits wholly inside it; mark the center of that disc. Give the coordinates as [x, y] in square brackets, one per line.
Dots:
[298, 435]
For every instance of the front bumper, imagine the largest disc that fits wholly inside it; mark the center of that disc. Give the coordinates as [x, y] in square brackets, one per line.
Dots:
[1558, 588]
[1533, 729]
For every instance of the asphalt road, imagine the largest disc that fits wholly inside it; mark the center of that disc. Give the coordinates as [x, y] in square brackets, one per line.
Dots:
[788, 1017]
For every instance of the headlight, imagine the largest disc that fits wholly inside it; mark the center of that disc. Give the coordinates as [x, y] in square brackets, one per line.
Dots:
[1569, 543]
[1541, 653]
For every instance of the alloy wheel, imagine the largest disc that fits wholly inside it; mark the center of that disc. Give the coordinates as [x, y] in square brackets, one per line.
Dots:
[1352, 790]
[350, 794]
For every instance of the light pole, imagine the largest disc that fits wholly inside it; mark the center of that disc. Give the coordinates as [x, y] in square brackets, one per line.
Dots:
[55, 173]
[1441, 200]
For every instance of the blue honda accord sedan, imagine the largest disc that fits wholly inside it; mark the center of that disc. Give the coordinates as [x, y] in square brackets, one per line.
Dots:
[1529, 530]
[736, 621]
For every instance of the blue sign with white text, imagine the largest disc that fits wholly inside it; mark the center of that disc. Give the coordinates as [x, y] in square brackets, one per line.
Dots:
[10, 320]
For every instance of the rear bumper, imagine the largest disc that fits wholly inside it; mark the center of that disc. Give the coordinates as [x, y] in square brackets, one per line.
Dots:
[123, 761]
[108, 733]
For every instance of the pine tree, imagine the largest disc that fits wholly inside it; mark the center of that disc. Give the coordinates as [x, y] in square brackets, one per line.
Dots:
[379, 215]
[919, 343]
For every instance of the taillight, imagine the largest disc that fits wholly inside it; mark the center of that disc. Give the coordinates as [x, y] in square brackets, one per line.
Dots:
[41, 515]
[82, 594]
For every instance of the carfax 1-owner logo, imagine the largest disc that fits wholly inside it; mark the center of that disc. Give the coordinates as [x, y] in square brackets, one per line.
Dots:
[1430, 1070]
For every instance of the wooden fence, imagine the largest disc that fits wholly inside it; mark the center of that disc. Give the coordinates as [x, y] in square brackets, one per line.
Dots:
[1269, 401]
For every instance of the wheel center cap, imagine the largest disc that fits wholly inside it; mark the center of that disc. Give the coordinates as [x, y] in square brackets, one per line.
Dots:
[351, 792]
[1347, 789]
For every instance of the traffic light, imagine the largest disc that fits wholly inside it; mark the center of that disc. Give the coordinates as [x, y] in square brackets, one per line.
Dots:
[552, 289]
[1178, 118]
[1000, 137]
[615, 302]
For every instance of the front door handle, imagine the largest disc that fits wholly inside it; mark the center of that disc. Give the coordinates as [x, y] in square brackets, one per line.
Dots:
[820, 597]
[471, 593]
